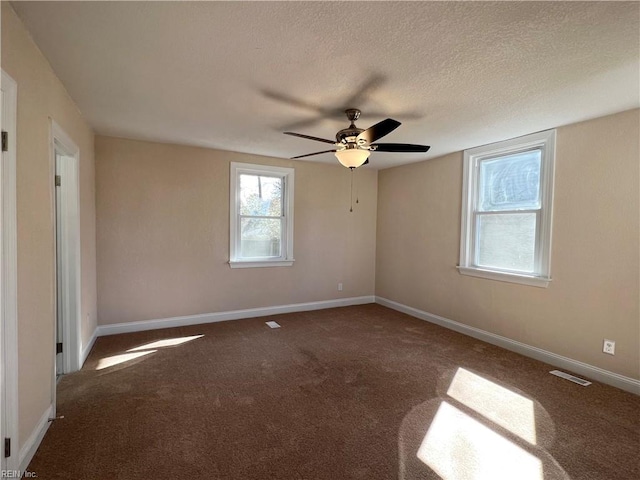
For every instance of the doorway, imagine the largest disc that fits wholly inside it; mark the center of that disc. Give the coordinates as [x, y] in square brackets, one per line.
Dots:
[8, 277]
[67, 259]
[61, 308]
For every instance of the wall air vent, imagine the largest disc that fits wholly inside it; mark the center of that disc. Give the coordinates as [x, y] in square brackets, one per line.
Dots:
[571, 378]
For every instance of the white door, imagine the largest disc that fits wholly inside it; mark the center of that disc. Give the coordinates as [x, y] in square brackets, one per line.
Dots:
[65, 157]
[8, 278]
[60, 294]
[2, 349]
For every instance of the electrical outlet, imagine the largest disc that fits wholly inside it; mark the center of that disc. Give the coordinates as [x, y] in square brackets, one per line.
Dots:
[609, 347]
[339, 287]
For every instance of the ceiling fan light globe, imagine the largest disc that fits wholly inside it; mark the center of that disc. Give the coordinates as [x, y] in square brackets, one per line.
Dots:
[352, 157]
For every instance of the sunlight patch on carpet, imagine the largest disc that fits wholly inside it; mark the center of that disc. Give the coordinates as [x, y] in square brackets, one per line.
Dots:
[496, 403]
[118, 359]
[458, 447]
[167, 342]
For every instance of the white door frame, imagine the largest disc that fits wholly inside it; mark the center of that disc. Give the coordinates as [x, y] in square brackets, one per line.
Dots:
[68, 169]
[8, 278]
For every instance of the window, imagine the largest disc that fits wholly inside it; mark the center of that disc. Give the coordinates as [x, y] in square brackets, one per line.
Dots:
[261, 216]
[506, 210]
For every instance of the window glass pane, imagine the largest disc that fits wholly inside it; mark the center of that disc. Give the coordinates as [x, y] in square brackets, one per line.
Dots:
[510, 182]
[507, 241]
[260, 237]
[260, 195]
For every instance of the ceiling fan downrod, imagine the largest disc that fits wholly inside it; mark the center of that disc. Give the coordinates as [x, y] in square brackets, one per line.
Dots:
[348, 135]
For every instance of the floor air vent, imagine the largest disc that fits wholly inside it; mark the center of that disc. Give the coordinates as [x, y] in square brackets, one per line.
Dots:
[571, 378]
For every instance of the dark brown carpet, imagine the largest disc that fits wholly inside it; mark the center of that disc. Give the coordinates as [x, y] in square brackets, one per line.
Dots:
[346, 393]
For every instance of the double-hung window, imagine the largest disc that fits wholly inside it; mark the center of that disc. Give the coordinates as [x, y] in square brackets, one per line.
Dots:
[261, 216]
[506, 210]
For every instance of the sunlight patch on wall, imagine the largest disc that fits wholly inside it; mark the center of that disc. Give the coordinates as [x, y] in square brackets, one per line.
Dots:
[458, 447]
[167, 342]
[118, 359]
[498, 404]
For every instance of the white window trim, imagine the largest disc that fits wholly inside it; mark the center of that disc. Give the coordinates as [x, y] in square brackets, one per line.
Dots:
[286, 260]
[546, 141]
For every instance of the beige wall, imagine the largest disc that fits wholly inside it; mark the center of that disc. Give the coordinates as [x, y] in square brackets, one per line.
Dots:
[41, 96]
[595, 268]
[163, 234]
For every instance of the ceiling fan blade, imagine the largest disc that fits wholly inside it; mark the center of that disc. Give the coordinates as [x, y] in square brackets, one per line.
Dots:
[308, 122]
[332, 142]
[315, 153]
[365, 91]
[379, 130]
[400, 147]
[281, 97]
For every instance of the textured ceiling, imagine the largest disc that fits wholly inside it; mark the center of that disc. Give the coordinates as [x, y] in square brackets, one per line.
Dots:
[234, 75]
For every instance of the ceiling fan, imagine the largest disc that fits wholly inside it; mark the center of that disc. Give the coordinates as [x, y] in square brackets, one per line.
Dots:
[353, 145]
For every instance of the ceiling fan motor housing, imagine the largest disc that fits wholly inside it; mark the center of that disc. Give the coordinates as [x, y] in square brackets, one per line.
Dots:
[343, 136]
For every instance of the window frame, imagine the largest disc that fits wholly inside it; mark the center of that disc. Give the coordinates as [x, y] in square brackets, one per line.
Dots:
[545, 141]
[286, 252]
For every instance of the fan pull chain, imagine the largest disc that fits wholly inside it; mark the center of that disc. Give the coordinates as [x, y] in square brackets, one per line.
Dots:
[351, 193]
[357, 200]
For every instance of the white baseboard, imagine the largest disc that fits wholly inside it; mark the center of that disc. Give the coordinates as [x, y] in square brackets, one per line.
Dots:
[116, 328]
[32, 443]
[620, 381]
[87, 349]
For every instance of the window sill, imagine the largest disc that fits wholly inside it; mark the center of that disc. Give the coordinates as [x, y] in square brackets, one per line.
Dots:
[260, 263]
[542, 282]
